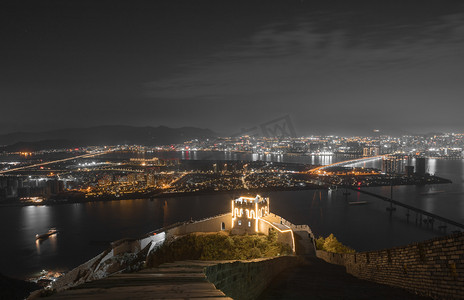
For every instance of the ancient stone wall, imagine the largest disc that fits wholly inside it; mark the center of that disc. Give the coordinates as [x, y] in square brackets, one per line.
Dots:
[79, 274]
[122, 252]
[247, 279]
[213, 224]
[125, 251]
[282, 237]
[432, 268]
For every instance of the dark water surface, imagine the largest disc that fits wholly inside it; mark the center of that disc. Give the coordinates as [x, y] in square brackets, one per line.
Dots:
[86, 229]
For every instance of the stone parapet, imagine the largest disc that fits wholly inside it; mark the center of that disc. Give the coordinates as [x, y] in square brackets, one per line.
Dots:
[433, 268]
[247, 279]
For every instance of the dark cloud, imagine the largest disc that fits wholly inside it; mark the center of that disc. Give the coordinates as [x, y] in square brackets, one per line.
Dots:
[334, 67]
[400, 83]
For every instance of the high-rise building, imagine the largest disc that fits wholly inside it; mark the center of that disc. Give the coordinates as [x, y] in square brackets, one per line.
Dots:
[409, 170]
[55, 186]
[131, 178]
[392, 165]
[151, 180]
[420, 166]
[371, 151]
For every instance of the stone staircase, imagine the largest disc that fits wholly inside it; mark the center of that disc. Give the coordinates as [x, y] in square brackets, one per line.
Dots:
[306, 247]
[178, 280]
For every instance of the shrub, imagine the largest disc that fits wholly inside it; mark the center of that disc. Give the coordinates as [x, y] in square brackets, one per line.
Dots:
[219, 246]
[331, 244]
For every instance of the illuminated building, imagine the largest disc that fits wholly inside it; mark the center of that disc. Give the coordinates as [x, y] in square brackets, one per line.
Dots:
[131, 178]
[392, 165]
[151, 180]
[140, 177]
[371, 151]
[247, 212]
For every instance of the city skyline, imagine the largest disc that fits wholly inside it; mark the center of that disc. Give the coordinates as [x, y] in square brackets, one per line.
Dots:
[335, 68]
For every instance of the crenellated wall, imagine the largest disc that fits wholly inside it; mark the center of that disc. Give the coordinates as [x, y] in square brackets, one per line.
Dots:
[433, 268]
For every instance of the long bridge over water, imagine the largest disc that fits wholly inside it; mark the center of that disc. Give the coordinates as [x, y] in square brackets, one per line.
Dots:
[347, 163]
[421, 216]
[412, 214]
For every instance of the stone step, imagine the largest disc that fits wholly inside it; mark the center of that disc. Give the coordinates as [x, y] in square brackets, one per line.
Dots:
[141, 281]
[145, 292]
[172, 270]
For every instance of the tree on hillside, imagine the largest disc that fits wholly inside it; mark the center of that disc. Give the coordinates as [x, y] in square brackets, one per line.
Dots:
[331, 244]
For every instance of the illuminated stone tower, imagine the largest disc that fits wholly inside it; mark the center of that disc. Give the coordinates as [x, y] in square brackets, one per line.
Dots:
[246, 213]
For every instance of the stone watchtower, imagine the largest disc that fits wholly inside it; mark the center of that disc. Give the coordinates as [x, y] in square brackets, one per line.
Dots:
[246, 212]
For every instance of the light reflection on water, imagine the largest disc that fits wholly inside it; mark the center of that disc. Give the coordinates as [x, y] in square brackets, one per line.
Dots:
[85, 229]
[37, 245]
[52, 240]
[432, 166]
[360, 226]
[165, 213]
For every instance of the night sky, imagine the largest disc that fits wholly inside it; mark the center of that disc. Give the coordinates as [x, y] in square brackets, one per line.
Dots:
[335, 67]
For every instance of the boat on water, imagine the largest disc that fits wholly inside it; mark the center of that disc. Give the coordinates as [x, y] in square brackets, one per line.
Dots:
[431, 193]
[357, 202]
[43, 236]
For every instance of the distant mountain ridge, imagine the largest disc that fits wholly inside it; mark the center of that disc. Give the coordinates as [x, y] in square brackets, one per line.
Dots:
[102, 135]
